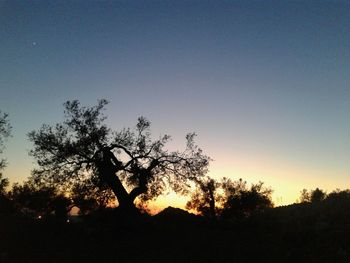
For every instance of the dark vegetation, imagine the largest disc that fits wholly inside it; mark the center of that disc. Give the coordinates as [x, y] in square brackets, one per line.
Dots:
[229, 199]
[304, 232]
[109, 177]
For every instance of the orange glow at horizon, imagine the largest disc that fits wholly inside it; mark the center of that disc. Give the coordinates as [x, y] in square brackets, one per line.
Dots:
[285, 178]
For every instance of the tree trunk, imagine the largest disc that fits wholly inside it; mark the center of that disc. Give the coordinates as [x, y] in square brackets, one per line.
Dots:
[120, 192]
[212, 204]
[107, 172]
[108, 168]
[136, 192]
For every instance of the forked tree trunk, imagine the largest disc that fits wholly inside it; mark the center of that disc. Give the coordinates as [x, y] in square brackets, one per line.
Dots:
[125, 199]
[108, 174]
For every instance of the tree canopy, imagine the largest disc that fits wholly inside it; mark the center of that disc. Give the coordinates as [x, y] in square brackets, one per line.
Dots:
[39, 200]
[205, 197]
[241, 201]
[83, 150]
[5, 132]
[313, 196]
[229, 199]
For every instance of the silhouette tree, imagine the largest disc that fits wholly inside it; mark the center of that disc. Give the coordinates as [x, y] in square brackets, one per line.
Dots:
[304, 196]
[317, 195]
[229, 199]
[312, 196]
[61, 205]
[204, 198]
[4, 182]
[88, 197]
[39, 200]
[5, 202]
[338, 196]
[241, 201]
[83, 149]
[30, 199]
[5, 132]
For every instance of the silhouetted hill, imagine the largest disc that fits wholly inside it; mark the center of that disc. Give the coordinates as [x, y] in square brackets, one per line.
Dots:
[175, 215]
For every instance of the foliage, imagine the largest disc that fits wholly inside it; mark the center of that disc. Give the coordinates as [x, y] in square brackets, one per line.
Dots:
[39, 200]
[88, 197]
[304, 196]
[4, 182]
[313, 196]
[5, 202]
[204, 198]
[241, 201]
[317, 195]
[295, 233]
[5, 132]
[338, 196]
[229, 199]
[82, 150]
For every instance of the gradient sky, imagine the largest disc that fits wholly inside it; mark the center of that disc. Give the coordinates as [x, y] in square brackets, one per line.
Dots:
[265, 84]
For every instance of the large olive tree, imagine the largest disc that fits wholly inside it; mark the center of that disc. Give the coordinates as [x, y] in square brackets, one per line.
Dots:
[82, 149]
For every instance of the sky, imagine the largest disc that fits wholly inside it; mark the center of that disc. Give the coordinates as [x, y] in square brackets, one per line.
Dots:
[265, 84]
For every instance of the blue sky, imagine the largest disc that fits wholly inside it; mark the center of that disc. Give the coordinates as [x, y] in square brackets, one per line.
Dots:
[265, 84]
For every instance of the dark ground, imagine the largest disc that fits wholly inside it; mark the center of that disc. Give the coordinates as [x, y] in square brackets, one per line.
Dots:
[297, 233]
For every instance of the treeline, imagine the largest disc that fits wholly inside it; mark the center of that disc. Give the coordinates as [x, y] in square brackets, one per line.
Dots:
[38, 200]
[229, 199]
[215, 200]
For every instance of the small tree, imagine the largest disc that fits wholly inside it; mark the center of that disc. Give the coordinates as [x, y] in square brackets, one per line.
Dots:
[82, 149]
[304, 196]
[317, 195]
[4, 182]
[229, 199]
[5, 202]
[241, 201]
[88, 197]
[39, 200]
[312, 196]
[203, 199]
[61, 205]
[30, 199]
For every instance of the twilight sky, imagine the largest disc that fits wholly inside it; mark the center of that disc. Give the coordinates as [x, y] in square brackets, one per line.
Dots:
[265, 84]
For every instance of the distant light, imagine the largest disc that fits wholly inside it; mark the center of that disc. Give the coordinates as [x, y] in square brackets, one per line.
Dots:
[39, 217]
[67, 221]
